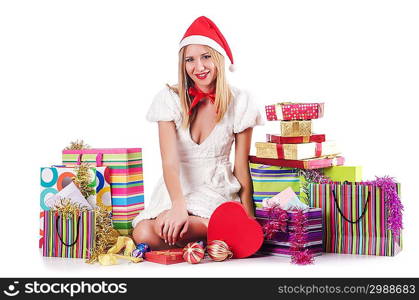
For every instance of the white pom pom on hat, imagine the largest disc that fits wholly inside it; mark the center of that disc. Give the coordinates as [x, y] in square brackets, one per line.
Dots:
[203, 31]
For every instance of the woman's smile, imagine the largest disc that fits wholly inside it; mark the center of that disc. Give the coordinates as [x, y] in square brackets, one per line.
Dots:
[202, 76]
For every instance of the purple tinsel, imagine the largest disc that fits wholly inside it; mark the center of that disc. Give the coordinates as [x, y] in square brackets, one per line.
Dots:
[302, 257]
[393, 203]
[298, 237]
[277, 222]
[314, 175]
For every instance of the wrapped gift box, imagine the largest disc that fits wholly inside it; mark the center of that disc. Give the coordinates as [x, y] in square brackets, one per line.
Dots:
[294, 111]
[280, 243]
[296, 128]
[344, 173]
[314, 138]
[165, 257]
[268, 181]
[125, 176]
[296, 151]
[314, 163]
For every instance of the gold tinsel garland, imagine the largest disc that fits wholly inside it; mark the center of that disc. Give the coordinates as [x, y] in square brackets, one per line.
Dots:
[83, 180]
[77, 145]
[106, 235]
[66, 209]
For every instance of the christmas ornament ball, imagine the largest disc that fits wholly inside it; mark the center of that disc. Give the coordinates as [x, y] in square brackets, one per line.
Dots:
[140, 250]
[193, 253]
[219, 250]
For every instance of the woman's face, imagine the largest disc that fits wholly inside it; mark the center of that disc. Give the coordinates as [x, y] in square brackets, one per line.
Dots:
[200, 67]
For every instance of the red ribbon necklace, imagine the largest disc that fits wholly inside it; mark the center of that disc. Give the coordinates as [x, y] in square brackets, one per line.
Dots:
[198, 96]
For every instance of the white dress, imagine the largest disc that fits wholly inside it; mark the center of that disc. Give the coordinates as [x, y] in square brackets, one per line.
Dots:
[206, 175]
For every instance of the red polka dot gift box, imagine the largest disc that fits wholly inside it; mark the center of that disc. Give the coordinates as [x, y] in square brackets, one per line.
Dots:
[294, 111]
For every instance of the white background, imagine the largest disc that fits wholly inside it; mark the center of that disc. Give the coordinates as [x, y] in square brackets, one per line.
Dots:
[89, 69]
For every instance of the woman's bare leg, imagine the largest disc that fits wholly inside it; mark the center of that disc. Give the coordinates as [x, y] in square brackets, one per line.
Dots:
[144, 232]
[147, 231]
[197, 231]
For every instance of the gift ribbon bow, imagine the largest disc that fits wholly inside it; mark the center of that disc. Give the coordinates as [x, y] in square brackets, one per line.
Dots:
[198, 96]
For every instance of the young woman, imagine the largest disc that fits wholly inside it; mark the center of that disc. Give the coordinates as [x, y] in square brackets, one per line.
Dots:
[199, 119]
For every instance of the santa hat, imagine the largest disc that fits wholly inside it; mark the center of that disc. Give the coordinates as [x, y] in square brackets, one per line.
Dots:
[203, 31]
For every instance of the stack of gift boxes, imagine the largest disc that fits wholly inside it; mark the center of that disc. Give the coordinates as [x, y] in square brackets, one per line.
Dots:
[300, 171]
[116, 176]
[297, 146]
[275, 168]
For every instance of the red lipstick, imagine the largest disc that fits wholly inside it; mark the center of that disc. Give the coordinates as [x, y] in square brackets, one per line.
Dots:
[202, 76]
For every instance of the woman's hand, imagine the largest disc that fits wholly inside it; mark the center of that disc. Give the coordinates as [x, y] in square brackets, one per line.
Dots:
[173, 224]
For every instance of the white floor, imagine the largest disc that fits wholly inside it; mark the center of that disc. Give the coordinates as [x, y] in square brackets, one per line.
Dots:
[327, 265]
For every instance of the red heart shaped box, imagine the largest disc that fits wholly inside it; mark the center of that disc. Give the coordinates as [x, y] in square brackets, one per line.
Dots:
[230, 223]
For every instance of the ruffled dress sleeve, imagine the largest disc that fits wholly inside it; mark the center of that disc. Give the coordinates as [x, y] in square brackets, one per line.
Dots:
[246, 113]
[165, 107]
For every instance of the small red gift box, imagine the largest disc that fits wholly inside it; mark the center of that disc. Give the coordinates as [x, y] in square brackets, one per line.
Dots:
[165, 257]
[294, 111]
[315, 138]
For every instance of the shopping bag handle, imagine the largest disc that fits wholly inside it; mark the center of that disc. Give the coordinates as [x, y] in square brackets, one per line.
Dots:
[77, 235]
[341, 213]
[99, 159]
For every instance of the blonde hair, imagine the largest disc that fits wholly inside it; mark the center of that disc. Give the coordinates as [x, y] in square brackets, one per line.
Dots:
[223, 93]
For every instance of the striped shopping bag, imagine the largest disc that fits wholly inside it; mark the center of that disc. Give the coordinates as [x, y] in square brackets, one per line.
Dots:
[271, 180]
[125, 174]
[355, 218]
[72, 236]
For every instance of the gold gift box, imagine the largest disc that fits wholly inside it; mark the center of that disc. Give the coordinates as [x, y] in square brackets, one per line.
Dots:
[295, 151]
[296, 128]
[269, 150]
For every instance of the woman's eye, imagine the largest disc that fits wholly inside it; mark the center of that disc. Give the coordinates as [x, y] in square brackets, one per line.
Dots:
[207, 56]
[189, 59]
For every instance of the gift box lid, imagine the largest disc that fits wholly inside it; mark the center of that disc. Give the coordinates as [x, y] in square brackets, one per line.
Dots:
[294, 111]
[276, 138]
[315, 163]
[103, 150]
[112, 157]
[165, 257]
[296, 151]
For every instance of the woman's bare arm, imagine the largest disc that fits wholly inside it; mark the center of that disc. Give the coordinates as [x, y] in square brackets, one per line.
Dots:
[175, 221]
[241, 169]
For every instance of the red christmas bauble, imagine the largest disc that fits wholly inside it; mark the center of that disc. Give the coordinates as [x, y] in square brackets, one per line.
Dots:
[193, 253]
